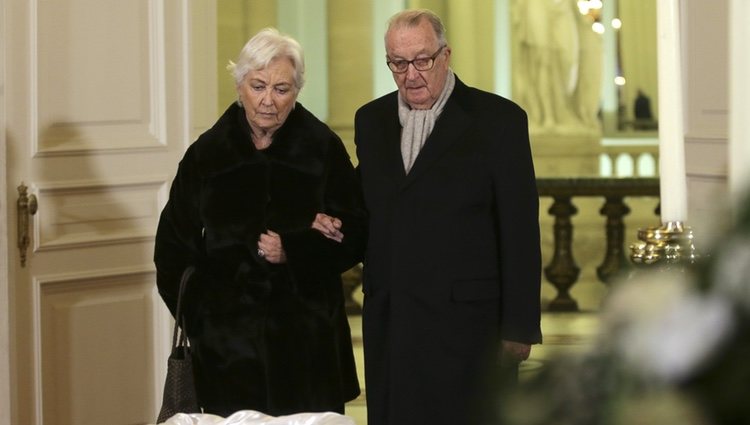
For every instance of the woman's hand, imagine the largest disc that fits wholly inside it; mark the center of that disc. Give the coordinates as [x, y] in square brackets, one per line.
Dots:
[269, 247]
[328, 226]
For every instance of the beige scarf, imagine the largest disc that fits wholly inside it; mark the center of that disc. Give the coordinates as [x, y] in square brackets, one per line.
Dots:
[418, 123]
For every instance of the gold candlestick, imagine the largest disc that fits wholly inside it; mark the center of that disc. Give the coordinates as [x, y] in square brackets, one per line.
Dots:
[670, 244]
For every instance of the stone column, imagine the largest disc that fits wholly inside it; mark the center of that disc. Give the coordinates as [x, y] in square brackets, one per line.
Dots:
[382, 10]
[470, 32]
[237, 21]
[502, 46]
[350, 65]
[610, 97]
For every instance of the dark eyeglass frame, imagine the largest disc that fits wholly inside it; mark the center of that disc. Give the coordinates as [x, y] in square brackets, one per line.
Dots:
[396, 65]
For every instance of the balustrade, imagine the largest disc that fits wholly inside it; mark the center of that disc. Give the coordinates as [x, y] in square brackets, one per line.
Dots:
[562, 271]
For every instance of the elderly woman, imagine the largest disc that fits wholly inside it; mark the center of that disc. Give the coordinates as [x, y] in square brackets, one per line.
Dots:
[264, 310]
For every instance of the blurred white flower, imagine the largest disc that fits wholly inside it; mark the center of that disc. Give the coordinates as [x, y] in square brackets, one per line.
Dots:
[663, 327]
[732, 272]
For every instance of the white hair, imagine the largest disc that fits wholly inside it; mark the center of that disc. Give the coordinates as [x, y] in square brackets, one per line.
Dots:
[265, 46]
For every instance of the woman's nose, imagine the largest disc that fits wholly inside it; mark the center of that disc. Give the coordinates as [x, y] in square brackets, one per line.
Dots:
[266, 98]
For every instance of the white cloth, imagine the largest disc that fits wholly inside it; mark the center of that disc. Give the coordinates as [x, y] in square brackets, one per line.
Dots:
[417, 124]
[251, 417]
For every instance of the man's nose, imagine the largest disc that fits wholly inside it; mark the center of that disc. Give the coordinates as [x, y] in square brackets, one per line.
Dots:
[411, 72]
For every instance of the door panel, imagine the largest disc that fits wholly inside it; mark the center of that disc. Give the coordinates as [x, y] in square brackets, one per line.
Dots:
[95, 213]
[96, 340]
[99, 72]
[101, 114]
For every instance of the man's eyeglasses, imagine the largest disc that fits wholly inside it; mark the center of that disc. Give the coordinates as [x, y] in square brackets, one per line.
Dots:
[420, 64]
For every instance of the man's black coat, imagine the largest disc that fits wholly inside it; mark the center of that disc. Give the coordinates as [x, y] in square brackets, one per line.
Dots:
[453, 259]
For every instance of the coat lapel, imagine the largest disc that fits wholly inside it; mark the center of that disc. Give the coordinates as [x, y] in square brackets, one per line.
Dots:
[392, 143]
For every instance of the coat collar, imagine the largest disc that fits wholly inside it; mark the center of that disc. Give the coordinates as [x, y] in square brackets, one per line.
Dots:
[300, 143]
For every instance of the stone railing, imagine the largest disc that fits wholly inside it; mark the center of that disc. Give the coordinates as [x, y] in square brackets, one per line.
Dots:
[562, 271]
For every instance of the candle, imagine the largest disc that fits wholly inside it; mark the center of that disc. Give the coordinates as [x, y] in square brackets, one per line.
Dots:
[673, 185]
[739, 102]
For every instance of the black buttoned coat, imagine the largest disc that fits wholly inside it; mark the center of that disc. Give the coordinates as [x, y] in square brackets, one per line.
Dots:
[453, 257]
[272, 338]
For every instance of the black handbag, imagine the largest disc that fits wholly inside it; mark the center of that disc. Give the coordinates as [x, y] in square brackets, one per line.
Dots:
[179, 388]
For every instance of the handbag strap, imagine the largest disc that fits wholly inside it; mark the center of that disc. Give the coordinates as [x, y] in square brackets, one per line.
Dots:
[179, 320]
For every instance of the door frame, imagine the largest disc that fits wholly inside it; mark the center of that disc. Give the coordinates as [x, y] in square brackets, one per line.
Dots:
[5, 384]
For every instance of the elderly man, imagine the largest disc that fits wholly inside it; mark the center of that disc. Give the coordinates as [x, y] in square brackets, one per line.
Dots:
[452, 269]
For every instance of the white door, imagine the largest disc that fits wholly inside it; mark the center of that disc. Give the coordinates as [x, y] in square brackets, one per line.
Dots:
[97, 113]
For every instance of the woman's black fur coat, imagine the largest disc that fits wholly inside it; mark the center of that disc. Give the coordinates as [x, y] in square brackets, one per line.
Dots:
[273, 338]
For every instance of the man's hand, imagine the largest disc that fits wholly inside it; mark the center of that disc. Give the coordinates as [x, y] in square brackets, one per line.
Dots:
[516, 350]
[328, 226]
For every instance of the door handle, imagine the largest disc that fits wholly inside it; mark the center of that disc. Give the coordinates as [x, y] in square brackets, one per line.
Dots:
[26, 206]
